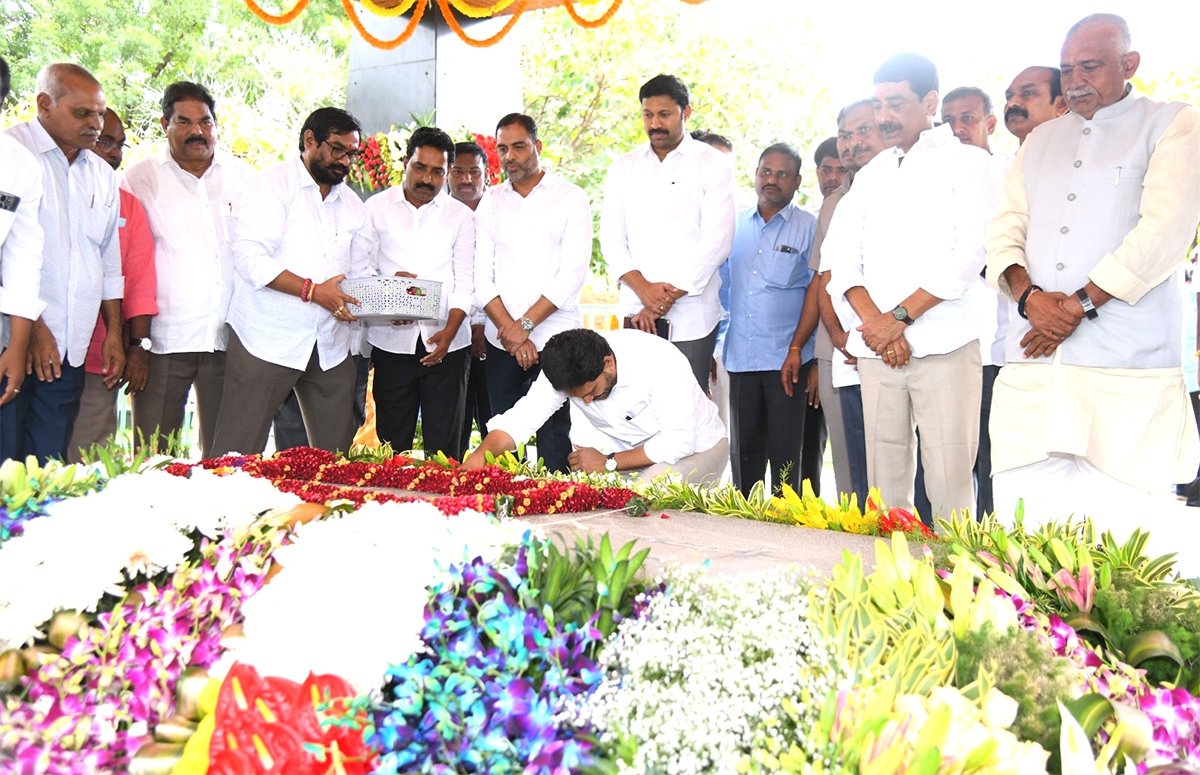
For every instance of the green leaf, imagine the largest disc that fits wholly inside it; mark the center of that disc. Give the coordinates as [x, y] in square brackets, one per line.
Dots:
[1090, 711]
[1151, 645]
[1089, 622]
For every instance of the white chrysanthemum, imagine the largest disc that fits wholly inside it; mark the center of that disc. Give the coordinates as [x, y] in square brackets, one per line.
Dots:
[84, 546]
[351, 596]
[715, 657]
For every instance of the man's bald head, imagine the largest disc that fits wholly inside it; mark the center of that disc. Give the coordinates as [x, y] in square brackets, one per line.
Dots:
[1097, 63]
[70, 106]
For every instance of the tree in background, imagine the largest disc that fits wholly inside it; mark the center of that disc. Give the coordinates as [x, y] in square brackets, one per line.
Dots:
[265, 79]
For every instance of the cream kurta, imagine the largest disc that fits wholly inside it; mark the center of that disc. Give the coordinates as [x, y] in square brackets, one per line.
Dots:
[1114, 199]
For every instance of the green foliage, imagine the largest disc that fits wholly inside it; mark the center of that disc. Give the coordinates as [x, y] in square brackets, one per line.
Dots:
[593, 584]
[265, 79]
[1133, 611]
[117, 458]
[1025, 669]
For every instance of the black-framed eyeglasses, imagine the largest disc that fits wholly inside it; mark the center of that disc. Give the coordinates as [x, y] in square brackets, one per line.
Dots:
[339, 153]
[109, 144]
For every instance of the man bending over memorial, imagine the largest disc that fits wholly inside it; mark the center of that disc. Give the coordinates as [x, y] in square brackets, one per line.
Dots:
[635, 390]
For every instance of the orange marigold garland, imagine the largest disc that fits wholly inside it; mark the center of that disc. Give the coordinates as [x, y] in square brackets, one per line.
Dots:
[479, 13]
[448, 14]
[592, 24]
[286, 18]
[386, 44]
[388, 13]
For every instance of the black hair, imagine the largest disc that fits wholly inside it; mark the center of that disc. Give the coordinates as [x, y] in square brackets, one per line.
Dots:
[713, 139]
[853, 106]
[471, 149]
[962, 92]
[5, 80]
[663, 85]
[185, 90]
[519, 118]
[432, 137]
[328, 121]
[827, 149]
[574, 357]
[1055, 83]
[787, 149]
[921, 74]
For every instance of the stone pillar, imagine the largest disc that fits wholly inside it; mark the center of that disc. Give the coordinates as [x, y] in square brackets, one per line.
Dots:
[434, 72]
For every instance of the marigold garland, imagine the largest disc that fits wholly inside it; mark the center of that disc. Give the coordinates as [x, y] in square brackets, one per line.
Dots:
[475, 12]
[448, 14]
[286, 18]
[387, 13]
[385, 44]
[592, 24]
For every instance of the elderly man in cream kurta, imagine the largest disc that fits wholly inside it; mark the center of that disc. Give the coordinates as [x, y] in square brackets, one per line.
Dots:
[1097, 214]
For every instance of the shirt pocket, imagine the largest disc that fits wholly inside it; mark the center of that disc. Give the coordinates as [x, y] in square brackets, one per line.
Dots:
[781, 269]
[637, 414]
[98, 220]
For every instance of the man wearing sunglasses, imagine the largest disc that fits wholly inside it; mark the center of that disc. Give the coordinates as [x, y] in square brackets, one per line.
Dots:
[298, 231]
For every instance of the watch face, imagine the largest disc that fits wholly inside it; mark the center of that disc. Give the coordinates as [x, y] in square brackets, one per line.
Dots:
[899, 313]
[526, 324]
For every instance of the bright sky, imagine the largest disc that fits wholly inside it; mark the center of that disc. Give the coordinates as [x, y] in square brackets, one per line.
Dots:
[972, 43]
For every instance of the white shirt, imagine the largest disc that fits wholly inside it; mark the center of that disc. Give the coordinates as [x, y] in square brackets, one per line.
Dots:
[20, 233]
[192, 222]
[655, 403]
[919, 224]
[435, 242]
[81, 257]
[533, 246]
[281, 223]
[672, 220]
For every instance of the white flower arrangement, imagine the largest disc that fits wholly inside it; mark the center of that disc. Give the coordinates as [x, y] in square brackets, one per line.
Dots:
[350, 599]
[688, 683]
[87, 546]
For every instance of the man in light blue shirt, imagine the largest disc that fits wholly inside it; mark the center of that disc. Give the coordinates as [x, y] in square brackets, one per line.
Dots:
[769, 278]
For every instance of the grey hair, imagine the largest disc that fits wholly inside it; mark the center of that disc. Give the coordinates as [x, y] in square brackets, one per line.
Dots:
[1124, 39]
[50, 79]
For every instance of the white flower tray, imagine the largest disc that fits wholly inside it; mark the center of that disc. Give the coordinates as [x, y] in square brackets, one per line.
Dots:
[394, 298]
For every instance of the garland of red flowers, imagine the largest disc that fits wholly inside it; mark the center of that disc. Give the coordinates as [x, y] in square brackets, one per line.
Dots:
[317, 476]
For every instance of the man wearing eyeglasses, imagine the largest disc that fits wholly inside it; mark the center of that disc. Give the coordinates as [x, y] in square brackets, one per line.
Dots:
[189, 190]
[97, 418]
[298, 231]
[769, 279]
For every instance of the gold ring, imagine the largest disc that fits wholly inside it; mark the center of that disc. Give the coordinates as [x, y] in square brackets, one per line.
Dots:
[891, 351]
[16, 390]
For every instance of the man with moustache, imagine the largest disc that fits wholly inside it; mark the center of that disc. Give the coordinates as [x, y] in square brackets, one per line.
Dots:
[668, 224]
[423, 232]
[21, 243]
[905, 245]
[858, 141]
[97, 418]
[189, 190]
[81, 267]
[469, 178]
[533, 244]
[1033, 98]
[769, 280]
[298, 231]
[1092, 412]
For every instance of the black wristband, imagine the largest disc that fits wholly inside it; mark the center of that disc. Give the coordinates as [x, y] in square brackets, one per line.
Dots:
[1024, 297]
[1085, 301]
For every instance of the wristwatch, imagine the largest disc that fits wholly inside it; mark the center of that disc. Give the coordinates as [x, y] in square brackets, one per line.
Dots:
[526, 324]
[901, 314]
[610, 463]
[1085, 301]
[143, 343]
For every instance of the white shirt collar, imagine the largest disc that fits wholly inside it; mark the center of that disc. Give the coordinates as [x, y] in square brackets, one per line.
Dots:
[44, 143]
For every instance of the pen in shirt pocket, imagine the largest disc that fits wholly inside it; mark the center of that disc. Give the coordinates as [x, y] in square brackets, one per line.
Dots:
[787, 249]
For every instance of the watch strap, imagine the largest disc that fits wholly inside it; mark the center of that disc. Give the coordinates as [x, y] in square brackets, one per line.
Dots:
[1085, 301]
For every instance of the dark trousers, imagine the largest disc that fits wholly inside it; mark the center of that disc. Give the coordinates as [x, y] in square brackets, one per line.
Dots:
[507, 383]
[403, 386]
[40, 419]
[983, 458]
[812, 456]
[767, 426]
[479, 406]
[288, 424]
[856, 440]
[699, 353]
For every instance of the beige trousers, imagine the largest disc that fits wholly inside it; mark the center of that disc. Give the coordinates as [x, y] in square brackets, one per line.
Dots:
[703, 468]
[97, 418]
[940, 395]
